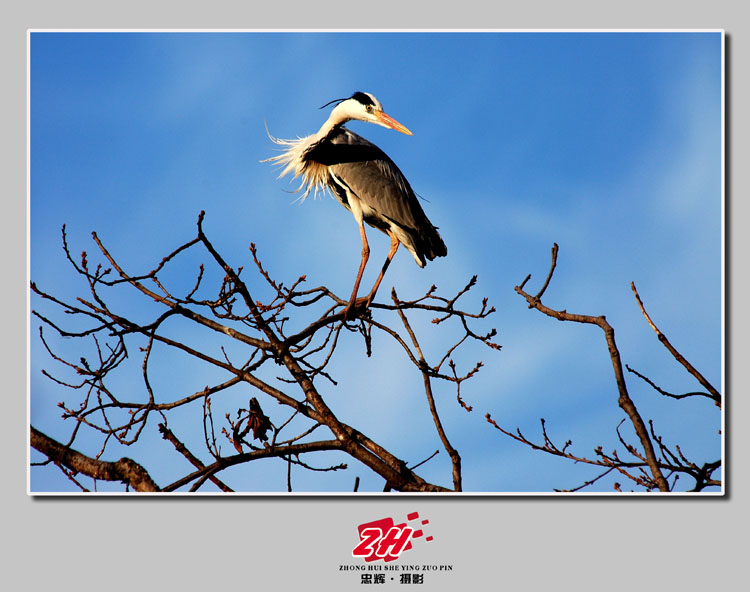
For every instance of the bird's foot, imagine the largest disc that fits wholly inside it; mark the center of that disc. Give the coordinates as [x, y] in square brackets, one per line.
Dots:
[355, 307]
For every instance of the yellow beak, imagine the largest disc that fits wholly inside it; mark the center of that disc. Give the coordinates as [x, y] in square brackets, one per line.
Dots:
[388, 121]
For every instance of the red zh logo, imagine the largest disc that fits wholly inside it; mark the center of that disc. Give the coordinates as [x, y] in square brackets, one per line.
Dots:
[375, 545]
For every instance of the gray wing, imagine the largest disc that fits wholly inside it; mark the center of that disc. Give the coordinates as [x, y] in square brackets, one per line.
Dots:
[376, 180]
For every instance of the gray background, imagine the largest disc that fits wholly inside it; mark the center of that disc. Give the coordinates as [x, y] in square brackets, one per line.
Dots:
[507, 542]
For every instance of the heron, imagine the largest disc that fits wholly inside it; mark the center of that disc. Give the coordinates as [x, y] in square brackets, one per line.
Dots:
[365, 181]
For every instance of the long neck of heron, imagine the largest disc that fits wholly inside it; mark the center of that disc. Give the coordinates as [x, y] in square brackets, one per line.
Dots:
[335, 119]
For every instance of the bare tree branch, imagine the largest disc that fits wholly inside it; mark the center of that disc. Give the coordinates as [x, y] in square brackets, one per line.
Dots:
[714, 394]
[182, 449]
[261, 328]
[126, 470]
[666, 393]
[283, 348]
[624, 400]
[452, 452]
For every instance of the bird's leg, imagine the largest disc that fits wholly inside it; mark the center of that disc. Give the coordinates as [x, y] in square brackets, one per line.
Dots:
[394, 247]
[365, 256]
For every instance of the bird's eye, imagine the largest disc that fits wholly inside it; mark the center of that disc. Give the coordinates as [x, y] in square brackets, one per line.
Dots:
[369, 108]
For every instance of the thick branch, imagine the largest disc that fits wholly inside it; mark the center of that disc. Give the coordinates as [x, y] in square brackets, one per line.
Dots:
[126, 470]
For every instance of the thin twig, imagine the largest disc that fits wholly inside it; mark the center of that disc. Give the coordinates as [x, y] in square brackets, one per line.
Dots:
[715, 395]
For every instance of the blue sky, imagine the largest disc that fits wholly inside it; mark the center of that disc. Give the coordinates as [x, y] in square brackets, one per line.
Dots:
[607, 143]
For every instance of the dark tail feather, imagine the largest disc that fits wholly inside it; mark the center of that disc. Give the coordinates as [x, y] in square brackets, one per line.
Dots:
[434, 245]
